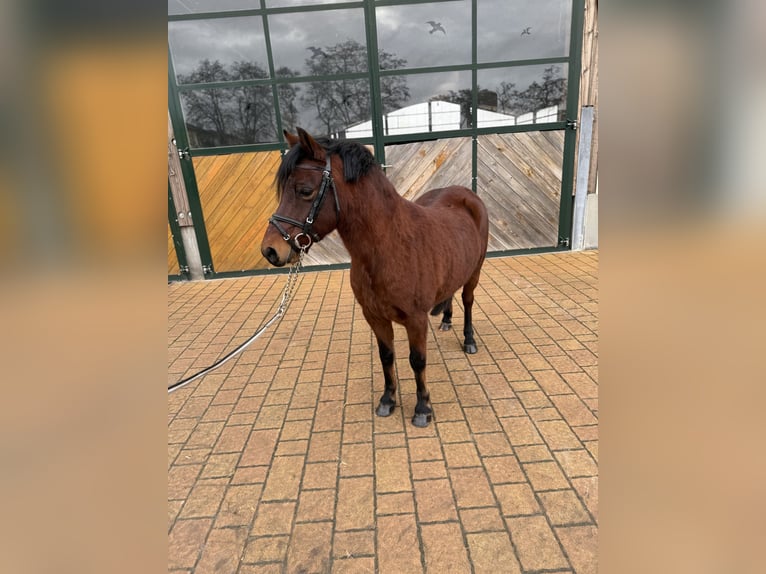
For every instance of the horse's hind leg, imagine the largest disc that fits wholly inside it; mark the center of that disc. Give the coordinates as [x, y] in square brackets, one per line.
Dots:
[384, 332]
[469, 345]
[446, 323]
[446, 307]
[416, 333]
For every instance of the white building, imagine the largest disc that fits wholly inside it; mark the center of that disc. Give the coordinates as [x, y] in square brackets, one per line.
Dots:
[439, 116]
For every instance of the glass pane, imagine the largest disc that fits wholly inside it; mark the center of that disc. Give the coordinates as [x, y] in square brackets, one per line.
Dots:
[289, 3]
[197, 6]
[318, 43]
[519, 180]
[423, 35]
[422, 103]
[522, 95]
[325, 108]
[523, 29]
[218, 50]
[231, 116]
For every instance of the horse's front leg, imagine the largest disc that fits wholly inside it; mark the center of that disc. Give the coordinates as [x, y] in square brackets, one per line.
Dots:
[384, 332]
[416, 333]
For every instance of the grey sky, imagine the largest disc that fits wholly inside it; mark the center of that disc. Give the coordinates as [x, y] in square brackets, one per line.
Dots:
[402, 30]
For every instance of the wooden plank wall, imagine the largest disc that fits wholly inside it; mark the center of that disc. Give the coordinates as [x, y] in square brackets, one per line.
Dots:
[238, 196]
[418, 167]
[173, 267]
[519, 179]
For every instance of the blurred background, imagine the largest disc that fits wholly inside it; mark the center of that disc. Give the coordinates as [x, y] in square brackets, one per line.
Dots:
[82, 298]
[83, 243]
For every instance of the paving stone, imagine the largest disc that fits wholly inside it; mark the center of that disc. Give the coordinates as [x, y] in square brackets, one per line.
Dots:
[492, 550]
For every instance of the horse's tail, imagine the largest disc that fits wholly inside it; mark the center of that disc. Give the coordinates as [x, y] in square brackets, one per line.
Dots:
[439, 307]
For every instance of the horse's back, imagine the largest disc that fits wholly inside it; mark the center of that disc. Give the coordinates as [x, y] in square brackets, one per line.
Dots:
[457, 196]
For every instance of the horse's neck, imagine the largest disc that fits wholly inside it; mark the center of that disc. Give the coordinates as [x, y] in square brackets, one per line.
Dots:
[370, 212]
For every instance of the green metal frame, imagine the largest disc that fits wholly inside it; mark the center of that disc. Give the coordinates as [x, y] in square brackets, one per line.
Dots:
[187, 171]
[570, 136]
[379, 140]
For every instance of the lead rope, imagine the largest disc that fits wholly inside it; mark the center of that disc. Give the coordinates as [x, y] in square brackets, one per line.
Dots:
[287, 294]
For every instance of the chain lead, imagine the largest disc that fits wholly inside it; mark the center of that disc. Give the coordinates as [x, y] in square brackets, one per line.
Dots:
[287, 294]
[292, 275]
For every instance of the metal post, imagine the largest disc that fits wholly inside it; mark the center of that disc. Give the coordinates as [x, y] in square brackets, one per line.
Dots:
[184, 214]
[583, 173]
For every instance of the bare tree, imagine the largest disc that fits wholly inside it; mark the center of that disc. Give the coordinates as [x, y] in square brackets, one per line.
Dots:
[228, 116]
[538, 95]
[206, 113]
[342, 103]
[394, 92]
[245, 114]
[507, 99]
[253, 106]
[287, 94]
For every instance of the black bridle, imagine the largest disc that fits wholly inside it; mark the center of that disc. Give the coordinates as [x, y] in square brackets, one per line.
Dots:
[307, 233]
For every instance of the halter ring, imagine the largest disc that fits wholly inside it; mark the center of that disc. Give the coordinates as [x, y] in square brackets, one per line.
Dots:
[297, 241]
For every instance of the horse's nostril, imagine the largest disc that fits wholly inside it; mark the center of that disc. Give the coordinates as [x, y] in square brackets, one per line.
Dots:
[271, 255]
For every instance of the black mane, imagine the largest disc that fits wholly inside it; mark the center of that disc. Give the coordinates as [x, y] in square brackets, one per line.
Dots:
[357, 160]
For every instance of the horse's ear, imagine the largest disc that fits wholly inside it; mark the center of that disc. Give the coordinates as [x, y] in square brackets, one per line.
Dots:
[291, 139]
[310, 145]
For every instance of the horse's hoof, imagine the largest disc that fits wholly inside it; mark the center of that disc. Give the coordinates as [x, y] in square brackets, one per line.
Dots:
[470, 348]
[385, 409]
[445, 326]
[421, 420]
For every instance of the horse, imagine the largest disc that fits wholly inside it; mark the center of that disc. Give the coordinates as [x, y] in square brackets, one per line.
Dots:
[407, 257]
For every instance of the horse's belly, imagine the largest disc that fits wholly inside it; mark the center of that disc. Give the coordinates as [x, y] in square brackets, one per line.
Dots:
[392, 296]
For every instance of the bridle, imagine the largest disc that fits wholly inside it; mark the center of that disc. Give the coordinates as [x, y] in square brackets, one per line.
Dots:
[307, 236]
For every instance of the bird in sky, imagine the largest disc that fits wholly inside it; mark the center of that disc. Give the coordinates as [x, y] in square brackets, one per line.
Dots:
[527, 31]
[317, 51]
[436, 26]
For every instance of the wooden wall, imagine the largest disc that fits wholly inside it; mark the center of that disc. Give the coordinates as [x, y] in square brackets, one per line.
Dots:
[238, 196]
[418, 167]
[173, 267]
[519, 179]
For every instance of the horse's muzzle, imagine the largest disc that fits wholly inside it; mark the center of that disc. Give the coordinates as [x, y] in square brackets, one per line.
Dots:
[272, 256]
[276, 250]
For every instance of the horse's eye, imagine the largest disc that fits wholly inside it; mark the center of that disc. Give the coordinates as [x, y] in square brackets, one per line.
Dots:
[305, 192]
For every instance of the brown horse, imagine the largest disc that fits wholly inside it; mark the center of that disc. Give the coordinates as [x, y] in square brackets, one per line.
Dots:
[406, 257]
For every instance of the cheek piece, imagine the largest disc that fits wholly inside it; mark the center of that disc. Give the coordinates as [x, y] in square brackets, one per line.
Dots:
[307, 235]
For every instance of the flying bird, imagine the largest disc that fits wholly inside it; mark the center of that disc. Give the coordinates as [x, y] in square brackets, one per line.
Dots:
[527, 31]
[436, 26]
[317, 51]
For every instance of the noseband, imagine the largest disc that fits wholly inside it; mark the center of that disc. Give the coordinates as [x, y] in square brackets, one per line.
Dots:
[307, 236]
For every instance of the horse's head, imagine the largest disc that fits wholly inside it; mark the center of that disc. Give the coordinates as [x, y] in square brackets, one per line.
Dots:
[308, 201]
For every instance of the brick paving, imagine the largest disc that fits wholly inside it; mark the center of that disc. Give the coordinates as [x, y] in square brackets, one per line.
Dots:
[276, 462]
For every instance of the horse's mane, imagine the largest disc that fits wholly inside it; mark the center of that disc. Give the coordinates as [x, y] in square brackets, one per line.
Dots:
[357, 160]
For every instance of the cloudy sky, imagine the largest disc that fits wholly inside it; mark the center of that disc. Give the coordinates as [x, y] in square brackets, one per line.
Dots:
[402, 30]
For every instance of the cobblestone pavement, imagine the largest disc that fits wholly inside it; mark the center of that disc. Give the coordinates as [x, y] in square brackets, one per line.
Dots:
[277, 463]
